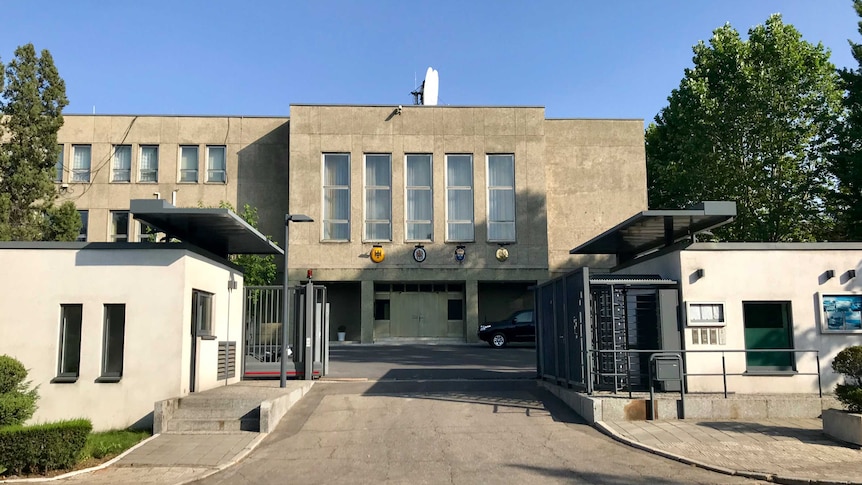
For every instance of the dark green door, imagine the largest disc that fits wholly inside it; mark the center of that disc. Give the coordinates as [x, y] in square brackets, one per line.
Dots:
[768, 325]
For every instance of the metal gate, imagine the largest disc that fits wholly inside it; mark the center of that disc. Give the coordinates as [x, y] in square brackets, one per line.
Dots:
[307, 335]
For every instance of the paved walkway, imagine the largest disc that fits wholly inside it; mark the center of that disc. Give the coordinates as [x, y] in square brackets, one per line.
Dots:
[778, 450]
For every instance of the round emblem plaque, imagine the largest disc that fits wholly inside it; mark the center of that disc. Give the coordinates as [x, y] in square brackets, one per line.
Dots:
[502, 254]
[419, 254]
[377, 254]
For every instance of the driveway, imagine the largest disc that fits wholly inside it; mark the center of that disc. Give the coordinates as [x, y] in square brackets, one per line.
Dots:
[456, 414]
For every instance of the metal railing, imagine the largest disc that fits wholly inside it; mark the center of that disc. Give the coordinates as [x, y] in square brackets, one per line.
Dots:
[594, 375]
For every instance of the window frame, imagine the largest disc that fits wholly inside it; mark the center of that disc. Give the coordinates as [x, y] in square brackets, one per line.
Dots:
[211, 171]
[142, 170]
[407, 188]
[324, 188]
[59, 165]
[64, 373]
[112, 375]
[141, 236]
[183, 171]
[371, 189]
[720, 321]
[205, 298]
[83, 233]
[489, 189]
[470, 188]
[114, 235]
[78, 173]
[127, 170]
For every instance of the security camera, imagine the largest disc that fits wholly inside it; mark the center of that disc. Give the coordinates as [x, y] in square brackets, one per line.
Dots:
[399, 109]
[64, 186]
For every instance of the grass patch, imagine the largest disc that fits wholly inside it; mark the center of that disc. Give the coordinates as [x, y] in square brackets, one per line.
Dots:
[109, 443]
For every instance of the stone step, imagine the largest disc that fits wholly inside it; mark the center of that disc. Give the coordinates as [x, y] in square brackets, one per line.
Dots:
[217, 413]
[213, 425]
[215, 403]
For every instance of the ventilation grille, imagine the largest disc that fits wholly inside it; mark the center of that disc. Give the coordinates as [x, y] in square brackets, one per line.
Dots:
[226, 360]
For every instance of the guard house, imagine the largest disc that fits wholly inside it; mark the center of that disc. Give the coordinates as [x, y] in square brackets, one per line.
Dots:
[117, 326]
[747, 318]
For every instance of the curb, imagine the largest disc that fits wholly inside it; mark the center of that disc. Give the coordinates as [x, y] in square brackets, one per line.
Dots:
[85, 470]
[768, 477]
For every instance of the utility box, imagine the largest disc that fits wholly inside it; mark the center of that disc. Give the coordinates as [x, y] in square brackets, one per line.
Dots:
[667, 369]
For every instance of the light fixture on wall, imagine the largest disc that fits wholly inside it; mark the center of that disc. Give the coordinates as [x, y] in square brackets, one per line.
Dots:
[851, 273]
[830, 273]
[460, 253]
[700, 273]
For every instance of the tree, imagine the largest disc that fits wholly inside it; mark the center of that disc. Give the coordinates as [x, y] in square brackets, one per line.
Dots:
[31, 104]
[750, 122]
[845, 165]
[17, 400]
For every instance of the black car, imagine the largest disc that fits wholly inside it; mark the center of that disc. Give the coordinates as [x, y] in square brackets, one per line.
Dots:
[518, 327]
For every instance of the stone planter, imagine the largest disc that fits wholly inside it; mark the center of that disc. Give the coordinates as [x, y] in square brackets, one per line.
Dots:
[843, 425]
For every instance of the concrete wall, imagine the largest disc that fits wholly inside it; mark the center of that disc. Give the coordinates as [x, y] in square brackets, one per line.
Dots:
[257, 164]
[738, 272]
[153, 286]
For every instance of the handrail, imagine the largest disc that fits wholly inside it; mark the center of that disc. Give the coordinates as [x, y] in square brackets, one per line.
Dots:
[596, 373]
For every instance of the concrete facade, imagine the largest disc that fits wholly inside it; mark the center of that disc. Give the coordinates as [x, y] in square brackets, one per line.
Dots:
[154, 282]
[795, 274]
[572, 179]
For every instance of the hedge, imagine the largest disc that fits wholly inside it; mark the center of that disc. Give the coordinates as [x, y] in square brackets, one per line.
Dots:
[43, 447]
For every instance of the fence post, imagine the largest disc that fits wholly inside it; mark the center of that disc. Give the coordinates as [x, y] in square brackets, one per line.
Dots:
[724, 374]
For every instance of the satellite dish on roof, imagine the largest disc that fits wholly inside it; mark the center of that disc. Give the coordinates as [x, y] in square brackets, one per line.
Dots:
[426, 94]
[432, 88]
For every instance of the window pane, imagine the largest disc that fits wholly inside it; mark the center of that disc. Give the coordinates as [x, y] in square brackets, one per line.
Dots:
[58, 167]
[377, 170]
[459, 170]
[377, 204]
[501, 205]
[85, 219]
[419, 170]
[460, 231]
[381, 309]
[501, 170]
[460, 205]
[419, 205]
[419, 231]
[336, 204]
[115, 329]
[455, 310]
[216, 164]
[377, 231]
[122, 164]
[338, 231]
[336, 170]
[119, 226]
[149, 164]
[378, 198]
[147, 233]
[202, 312]
[70, 339]
[188, 164]
[501, 231]
[81, 163]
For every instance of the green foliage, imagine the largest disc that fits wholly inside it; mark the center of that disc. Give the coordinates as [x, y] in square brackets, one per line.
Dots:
[106, 443]
[845, 164]
[849, 363]
[32, 98]
[257, 270]
[17, 401]
[43, 447]
[749, 122]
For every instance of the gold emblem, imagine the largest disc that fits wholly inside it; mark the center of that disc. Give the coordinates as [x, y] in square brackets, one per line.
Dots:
[377, 254]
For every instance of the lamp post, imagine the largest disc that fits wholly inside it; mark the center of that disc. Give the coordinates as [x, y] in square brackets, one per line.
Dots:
[288, 218]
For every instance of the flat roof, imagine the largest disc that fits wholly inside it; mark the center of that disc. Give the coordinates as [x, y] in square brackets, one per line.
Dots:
[219, 231]
[653, 229]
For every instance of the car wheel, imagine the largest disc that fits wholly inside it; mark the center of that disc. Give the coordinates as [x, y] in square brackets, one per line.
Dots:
[498, 341]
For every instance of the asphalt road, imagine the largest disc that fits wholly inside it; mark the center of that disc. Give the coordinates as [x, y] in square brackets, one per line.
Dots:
[458, 431]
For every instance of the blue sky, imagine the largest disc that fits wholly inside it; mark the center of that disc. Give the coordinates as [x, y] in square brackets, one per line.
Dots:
[579, 59]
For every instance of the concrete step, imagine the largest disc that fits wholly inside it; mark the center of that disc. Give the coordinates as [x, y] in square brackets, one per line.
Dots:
[218, 403]
[217, 413]
[213, 425]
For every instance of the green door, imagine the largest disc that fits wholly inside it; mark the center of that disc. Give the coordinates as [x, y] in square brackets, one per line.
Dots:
[768, 326]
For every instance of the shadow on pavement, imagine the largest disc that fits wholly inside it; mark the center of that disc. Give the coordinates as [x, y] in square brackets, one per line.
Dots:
[576, 476]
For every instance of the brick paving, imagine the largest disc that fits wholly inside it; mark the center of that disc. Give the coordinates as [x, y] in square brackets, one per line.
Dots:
[783, 450]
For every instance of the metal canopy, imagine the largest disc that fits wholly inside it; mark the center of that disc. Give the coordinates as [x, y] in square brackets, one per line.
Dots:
[628, 279]
[218, 231]
[654, 229]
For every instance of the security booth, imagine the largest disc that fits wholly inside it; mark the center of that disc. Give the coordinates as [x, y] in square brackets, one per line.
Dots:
[597, 330]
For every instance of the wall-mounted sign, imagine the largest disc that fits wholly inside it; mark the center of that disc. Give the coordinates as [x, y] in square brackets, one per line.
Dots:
[841, 313]
[502, 254]
[460, 252]
[377, 253]
[419, 254]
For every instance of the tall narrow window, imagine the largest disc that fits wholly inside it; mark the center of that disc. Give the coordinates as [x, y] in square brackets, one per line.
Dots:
[85, 220]
[202, 309]
[501, 198]
[70, 343]
[336, 196]
[378, 197]
[121, 167]
[119, 226]
[113, 342]
[58, 167]
[81, 163]
[459, 197]
[419, 205]
[149, 164]
[188, 164]
[216, 164]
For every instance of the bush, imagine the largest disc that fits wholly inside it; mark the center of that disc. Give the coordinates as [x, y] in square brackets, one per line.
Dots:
[849, 363]
[17, 402]
[43, 447]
